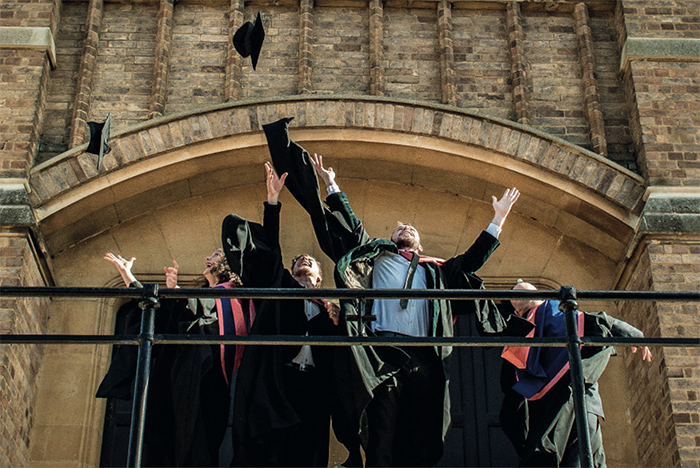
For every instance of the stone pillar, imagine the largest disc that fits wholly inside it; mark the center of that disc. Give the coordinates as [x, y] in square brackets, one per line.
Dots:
[660, 69]
[447, 53]
[27, 52]
[591, 97]
[306, 28]
[518, 73]
[234, 65]
[81, 106]
[376, 47]
[162, 59]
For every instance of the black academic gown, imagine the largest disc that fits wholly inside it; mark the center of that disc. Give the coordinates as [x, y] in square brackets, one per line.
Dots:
[543, 431]
[281, 415]
[359, 370]
[188, 398]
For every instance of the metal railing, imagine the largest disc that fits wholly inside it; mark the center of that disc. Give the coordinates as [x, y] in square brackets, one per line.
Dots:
[150, 296]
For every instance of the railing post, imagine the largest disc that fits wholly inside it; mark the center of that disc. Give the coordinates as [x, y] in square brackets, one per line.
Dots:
[568, 306]
[148, 305]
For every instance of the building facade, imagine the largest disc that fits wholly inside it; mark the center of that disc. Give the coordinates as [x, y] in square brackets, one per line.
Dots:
[425, 109]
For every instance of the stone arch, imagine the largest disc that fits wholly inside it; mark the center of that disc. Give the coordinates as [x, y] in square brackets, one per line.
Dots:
[400, 141]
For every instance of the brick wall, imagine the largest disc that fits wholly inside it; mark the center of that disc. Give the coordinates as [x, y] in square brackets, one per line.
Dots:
[613, 101]
[411, 61]
[665, 408]
[277, 71]
[198, 56]
[668, 102]
[340, 48]
[124, 75]
[19, 364]
[482, 62]
[61, 90]
[662, 18]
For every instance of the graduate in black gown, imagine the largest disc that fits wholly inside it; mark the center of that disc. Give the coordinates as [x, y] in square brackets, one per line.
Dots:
[537, 413]
[283, 393]
[188, 399]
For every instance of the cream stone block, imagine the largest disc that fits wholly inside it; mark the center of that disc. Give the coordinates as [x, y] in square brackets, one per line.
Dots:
[66, 399]
[83, 265]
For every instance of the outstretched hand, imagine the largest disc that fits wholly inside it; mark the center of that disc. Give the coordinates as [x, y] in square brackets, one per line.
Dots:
[171, 275]
[123, 266]
[274, 184]
[646, 353]
[502, 207]
[328, 175]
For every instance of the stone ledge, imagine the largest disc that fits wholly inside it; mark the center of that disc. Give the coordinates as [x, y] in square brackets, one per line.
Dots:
[659, 49]
[673, 223]
[16, 215]
[672, 200]
[15, 207]
[29, 38]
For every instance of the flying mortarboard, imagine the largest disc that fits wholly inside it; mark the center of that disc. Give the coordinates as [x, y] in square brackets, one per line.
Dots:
[99, 139]
[249, 38]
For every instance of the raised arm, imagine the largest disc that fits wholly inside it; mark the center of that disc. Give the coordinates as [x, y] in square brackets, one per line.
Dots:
[502, 207]
[274, 184]
[123, 267]
[328, 175]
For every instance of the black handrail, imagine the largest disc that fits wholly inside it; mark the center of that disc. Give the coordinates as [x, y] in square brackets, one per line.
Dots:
[150, 295]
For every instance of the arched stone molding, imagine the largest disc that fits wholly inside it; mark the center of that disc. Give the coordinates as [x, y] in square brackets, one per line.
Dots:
[437, 146]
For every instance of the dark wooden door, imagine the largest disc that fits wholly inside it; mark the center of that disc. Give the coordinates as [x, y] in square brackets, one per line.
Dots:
[476, 438]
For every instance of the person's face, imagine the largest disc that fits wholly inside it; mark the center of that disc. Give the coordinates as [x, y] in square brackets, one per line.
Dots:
[407, 237]
[307, 267]
[522, 306]
[212, 263]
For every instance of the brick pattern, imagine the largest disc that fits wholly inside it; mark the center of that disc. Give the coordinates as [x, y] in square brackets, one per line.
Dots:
[447, 57]
[306, 35]
[86, 74]
[555, 76]
[662, 18]
[61, 92]
[234, 63]
[518, 69]
[666, 409]
[340, 39]
[162, 59]
[613, 101]
[668, 132]
[482, 62]
[591, 96]
[376, 47]
[376, 50]
[19, 364]
[150, 140]
[277, 73]
[411, 54]
[125, 61]
[23, 79]
[197, 74]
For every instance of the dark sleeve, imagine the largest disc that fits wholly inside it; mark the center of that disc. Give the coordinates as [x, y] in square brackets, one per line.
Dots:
[271, 224]
[620, 328]
[476, 256]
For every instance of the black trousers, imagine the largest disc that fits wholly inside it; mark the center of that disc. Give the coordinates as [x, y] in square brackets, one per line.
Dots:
[405, 414]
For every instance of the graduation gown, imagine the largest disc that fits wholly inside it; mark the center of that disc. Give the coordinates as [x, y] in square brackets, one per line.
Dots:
[281, 414]
[358, 369]
[537, 413]
[188, 398]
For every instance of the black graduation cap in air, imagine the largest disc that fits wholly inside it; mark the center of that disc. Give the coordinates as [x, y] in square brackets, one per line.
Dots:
[99, 139]
[249, 38]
